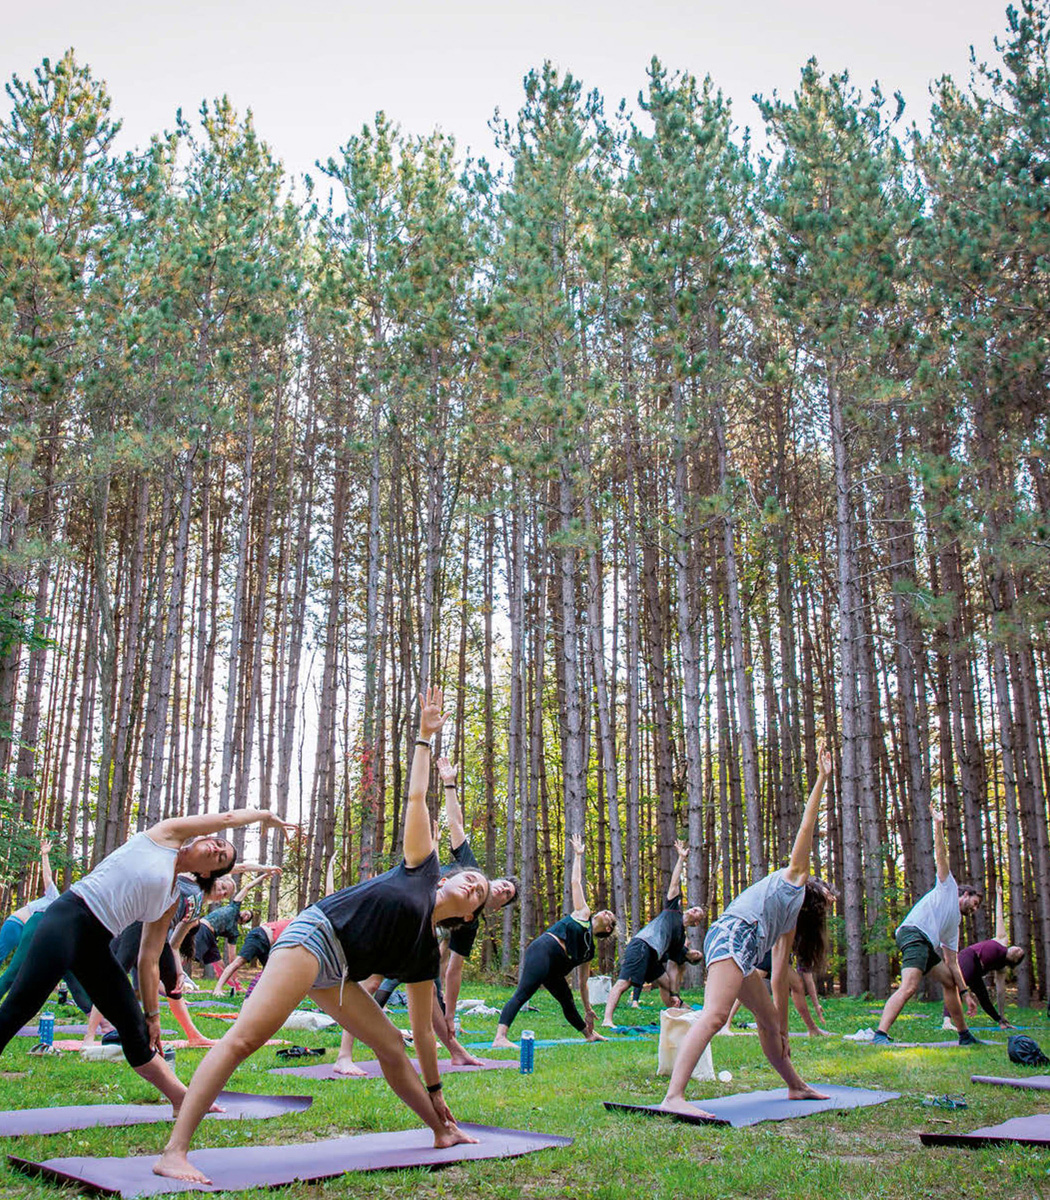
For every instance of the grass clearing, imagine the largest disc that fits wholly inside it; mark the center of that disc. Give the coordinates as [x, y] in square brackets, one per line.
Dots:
[872, 1152]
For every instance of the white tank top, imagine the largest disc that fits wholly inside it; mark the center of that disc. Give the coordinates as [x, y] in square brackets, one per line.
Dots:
[134, 883]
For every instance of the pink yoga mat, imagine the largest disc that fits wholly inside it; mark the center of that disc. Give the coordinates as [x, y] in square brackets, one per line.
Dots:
[1021, 1131]
[372, 1069]
[33, 1032]
[238, 1105]
[1038, 1083]
[240, 1167]
[749, 1108]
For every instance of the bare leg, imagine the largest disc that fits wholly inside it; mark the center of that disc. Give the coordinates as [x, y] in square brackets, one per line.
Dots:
[164, 1079]
[459, 1054]
[182, 1014]
[344, 1063]
[617, 990]
[952, 999]
[286, 979]
[722, 988]
[727, 1027]
[360, 1015]
[774, 1043]
[94, 1020]
[911, 977]
[798, 995]
[501, 1041]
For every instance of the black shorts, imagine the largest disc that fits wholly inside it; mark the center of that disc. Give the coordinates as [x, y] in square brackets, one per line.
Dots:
[640, 963]
[206, 945]
[256, 946]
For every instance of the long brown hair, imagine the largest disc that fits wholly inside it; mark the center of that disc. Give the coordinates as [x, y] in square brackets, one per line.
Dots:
[811, 928]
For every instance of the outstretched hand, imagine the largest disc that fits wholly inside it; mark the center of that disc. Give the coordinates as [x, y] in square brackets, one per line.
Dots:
[288, 828]
[682, 848]
[935, 812]
[45, 845]
[576, 842]
[448, 771]
[431, 718]
[825, 762]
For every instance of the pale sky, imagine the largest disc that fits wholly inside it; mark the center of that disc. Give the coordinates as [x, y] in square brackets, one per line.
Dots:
[313, 72]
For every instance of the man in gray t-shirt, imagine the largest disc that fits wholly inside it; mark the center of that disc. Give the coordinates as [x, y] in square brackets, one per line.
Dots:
[928, 934]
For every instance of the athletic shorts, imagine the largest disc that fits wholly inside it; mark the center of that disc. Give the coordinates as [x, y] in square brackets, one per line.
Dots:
[916, 950]
[206, 945]
[256, 947]
[312, 930]
[735, 938]
[640, 963]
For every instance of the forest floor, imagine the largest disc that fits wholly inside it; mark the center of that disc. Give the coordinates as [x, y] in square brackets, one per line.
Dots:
[871, 1152]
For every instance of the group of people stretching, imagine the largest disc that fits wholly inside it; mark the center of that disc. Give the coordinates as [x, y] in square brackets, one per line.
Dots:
[362, 941]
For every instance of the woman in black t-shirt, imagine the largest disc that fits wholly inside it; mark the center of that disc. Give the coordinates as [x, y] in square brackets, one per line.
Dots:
[386, 924]
[548, 960]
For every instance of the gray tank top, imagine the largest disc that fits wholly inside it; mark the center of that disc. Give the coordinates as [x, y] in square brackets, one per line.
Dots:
[772, 904]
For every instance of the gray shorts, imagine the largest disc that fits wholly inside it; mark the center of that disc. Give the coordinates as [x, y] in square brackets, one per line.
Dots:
[312, 930]
[735, 938]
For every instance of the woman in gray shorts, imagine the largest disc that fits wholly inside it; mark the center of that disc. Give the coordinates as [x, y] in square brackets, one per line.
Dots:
[386, 925]
[785, 912]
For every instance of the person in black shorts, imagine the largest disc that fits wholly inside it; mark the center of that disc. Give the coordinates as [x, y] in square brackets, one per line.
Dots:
[386, 924]
[662, 941]
[567, 944]
[457, 945]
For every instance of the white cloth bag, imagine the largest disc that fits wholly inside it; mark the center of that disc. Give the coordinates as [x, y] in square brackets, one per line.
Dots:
[675, 1023]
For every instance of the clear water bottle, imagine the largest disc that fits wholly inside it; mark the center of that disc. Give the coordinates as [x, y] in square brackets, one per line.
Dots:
[169, 1055]
[528, 1052]
[46, 1028]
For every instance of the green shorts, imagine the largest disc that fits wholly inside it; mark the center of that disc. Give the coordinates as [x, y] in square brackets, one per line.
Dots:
[915, 949]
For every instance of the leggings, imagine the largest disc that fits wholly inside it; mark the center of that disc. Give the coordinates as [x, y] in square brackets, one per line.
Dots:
[545, 965]
[126, 951]
[71, 937]
[80, 998]
[10, 933]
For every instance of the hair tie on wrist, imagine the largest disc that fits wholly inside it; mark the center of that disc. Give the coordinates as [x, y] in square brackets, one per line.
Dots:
[423, 742]
[434, 1087]
[450, 785]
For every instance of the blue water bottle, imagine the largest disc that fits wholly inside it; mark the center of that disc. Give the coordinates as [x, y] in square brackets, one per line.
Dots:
[528, 1052]
[46, 1028]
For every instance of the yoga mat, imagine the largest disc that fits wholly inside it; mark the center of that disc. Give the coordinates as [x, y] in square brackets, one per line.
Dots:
[372, 1069]
[609, 1041]
[1038, 1083]
[921, 1045]
[1022, 1131]
[748, 1108]
[65, 1118]
[241, 1167]
[33, 1032]
[170, 1043]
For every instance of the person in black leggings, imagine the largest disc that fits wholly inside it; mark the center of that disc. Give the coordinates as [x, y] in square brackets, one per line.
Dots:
[569, 943]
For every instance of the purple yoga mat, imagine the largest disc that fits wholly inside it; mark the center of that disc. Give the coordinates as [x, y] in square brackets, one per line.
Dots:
[1038, 1083]
[33, 1032]
[1022, 1131]
[748, 1108]
[268, 1166]
[63, 1119]
[372, 1069]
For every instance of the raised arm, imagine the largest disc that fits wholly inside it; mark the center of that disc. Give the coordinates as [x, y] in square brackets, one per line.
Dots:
[419, 841]
[252, 883]
[177, 830]
[798, 868]
[45, 862]
[453, 811]
[674, 888]
[940, 849]
[1001, 935]
[579, 898]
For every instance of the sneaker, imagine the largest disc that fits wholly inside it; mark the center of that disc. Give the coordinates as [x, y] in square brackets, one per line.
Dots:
[881, 1039]
[966, 1038]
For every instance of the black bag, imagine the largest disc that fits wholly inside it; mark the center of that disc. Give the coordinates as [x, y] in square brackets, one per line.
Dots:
[1025, 1051]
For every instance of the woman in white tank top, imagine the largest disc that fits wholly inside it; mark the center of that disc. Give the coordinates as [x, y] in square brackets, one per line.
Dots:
[134, 883]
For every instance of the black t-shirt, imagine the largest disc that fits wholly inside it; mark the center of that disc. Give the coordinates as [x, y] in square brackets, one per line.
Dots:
[578, 937]
[461, 939]
[665, 933]
[384, 924]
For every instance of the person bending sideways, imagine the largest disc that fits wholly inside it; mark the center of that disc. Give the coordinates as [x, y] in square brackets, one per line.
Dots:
[388, 925]
[222, 922]
[255, 948]
[548, 960]
[134, 883]
[803, 988]
[785, 912]
[932, 926]
[653, 947]
[459, 941]
[977, 960]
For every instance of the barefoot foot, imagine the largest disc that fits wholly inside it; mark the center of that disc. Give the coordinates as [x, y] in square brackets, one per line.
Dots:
[173, 1164]
[806, 1093]
[681, 1105]
[463, 1058]
[453, 1136]
[499, 1042]
[347, 1066]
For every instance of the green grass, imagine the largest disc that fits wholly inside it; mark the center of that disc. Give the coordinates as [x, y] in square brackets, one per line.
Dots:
[873, 1152]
